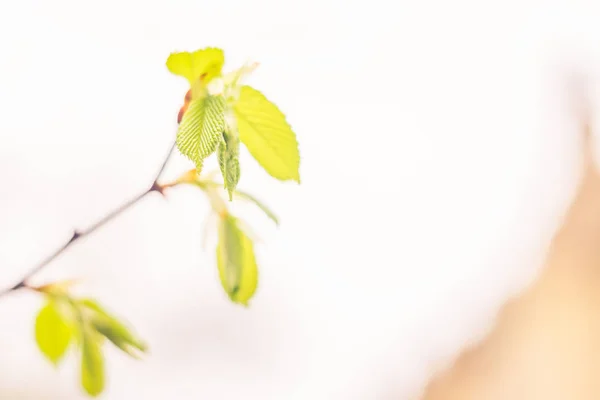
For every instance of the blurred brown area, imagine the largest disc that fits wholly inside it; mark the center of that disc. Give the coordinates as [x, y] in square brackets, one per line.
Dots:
[546, 343]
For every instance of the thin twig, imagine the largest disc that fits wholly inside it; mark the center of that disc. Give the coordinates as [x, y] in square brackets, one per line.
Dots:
[155, 187]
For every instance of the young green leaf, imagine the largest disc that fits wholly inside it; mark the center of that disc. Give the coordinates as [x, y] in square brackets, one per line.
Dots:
[228, 154]
[230, 168]
[112, 329]
[267, 135]
[201, 129]
[236, 261]
[53, 332]
[206, 63]
[92, 363]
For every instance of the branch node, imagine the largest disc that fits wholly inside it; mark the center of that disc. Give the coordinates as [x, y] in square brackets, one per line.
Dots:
[18, 286]
[78, 234]
[157, 188]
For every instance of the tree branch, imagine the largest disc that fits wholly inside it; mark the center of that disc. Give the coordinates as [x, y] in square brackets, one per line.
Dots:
[155, 187]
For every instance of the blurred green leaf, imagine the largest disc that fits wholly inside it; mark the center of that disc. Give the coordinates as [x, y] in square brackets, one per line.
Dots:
[53, 332]
[248, 197]
[112, 329]
[92, 363]
[233, 81]
[57, 289]
[205, 184]
[204, 63]
[236, 261]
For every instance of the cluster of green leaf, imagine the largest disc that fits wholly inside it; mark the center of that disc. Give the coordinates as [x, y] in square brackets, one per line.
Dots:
[219, 114]
[81, 324]
[236, 262]
[222, 113]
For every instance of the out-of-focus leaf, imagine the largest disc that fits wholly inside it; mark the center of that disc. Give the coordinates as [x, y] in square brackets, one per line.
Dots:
[92, 363]
[59, 288]
[233, 81]
[236, 261]
[240, 195]
[234, 78]
[248, 197]
[53, 331]
[204, 64]
[112, 329]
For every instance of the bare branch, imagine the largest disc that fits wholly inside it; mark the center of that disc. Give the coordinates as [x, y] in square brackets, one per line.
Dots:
[155, 187]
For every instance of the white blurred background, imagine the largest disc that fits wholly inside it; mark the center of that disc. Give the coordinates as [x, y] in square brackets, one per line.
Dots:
[438, 157]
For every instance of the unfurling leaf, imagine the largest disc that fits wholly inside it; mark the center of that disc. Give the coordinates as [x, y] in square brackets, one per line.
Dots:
[112, 329]
[92, 363]
[230, 168]
[53, 331]
[59, 288]
[236, 261]
[201, 129]
[228, 154]
[234, 78]
[233, 81]
[204, 64]
[265, 132]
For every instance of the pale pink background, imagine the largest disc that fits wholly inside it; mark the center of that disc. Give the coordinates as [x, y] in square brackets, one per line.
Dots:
[438, 159]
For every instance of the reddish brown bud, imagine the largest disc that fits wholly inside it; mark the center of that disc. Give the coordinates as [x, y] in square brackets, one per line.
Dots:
[182, 111]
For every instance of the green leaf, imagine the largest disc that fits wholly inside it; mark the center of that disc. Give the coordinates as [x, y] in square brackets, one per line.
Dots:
[267, 135]
[236, 261]
[112, 329]
[53, 332]
[204, 64]
[268, 212]
[229, 255]
[201, 129]
[92, 364]
[229, 162]
[204, 184]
